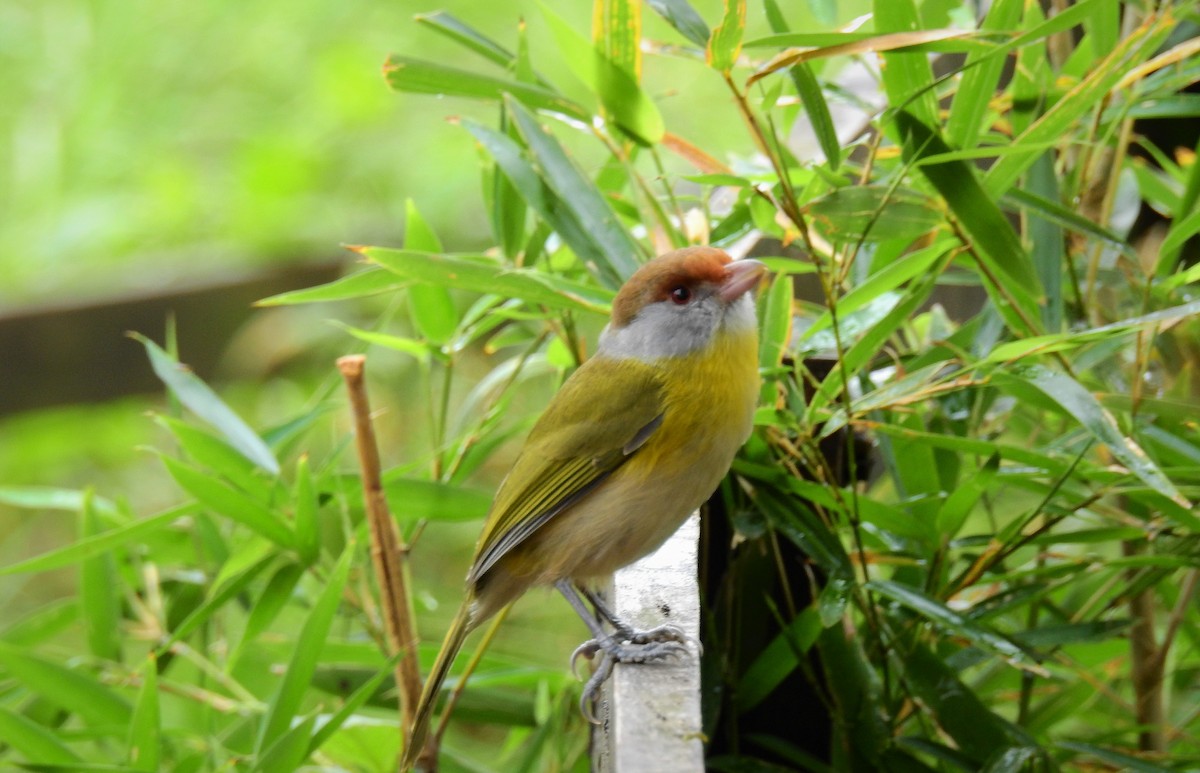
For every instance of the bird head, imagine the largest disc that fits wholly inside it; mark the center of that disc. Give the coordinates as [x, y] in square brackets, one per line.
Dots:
[679, 302]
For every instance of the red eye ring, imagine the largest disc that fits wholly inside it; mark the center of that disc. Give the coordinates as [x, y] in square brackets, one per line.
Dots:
[680, 295]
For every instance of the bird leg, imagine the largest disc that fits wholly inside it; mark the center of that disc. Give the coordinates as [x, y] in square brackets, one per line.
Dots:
[625, 645]
[627, 632]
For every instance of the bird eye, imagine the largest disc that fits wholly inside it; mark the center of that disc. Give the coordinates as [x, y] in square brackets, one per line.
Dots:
[681, 295]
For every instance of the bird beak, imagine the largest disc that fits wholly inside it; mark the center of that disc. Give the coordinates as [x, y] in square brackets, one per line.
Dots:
[743, 275]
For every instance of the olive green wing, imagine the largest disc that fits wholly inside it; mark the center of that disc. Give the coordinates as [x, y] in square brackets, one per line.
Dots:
[601, 416]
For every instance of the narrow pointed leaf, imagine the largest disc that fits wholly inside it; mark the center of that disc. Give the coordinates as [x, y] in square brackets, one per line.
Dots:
[1087, 410]
[34, 741]
[203, 402]
[373, 281]
[286, 703]
[145, 729]
[419, 77]
[430, 306]
[619, 251]
[725, 42]
[73, 690]
[483, 275]
[231, 503]
[683, 17]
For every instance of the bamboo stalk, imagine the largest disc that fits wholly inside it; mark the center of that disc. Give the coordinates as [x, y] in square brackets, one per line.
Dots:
[388, 552]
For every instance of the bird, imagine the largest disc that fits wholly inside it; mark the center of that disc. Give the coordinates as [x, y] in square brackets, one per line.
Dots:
[635, 440]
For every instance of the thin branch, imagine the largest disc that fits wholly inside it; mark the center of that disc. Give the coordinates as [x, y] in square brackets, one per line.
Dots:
[387, 551]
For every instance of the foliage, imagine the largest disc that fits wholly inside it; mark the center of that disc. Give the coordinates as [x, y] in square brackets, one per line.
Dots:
[1011, 589]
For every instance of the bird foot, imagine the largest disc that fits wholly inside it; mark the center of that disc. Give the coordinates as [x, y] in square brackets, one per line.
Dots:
[625, 646]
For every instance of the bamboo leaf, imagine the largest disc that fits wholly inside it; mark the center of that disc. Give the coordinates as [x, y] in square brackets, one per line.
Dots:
[907, 76]
[72, 690]
[873, 213]
[100, 542]
[480, 274]
[725, 43]
[231, 503]
[34, 741]
[777, 660]
[286, 703]
[979, 80]
[950, 621]
[203, 402]
[1005, 266]
[351, 705]
[48, 498]
[977, 731]
[619, 252]
[308, 534]
[625, 102]
[1086, 409]
[418, 77]
[680, 15]
[430, 306]
[99, 601]
[1057, 121]
[888, 278]
[145, 728]
[373, 281]
[447, 24]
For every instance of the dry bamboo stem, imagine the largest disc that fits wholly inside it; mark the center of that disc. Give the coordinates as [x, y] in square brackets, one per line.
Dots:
[387, 551]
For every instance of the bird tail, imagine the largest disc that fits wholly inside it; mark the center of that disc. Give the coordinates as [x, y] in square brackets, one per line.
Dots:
[423, 715]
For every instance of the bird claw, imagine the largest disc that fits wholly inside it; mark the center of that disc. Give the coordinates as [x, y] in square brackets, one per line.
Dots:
[591, 690]
[586, 650]
[632, 647]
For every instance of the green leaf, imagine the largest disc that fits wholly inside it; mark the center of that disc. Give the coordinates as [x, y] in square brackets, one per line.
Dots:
[72, 690]
[1076, 104]
[1086, 409]
[619, 251]
[683, 17]
[725, 43]
[34, 741]
[412, 499]
[373, 281]
[777, 660]
[1005, 266]
[99, 599]
[907, 76]
[422, 351]
[873, 213]
[950, 621]
[308, 532]
[217, 455]
[229, 584]
[1123, 762]
[776, 324]
[269, 604]
[978, 732]
[430, 306]
[290, 749]
[418, 77]
[449, 25]
[231, 503]
[145, 730]
[626, 104]
[100, 543]
[287, 701]
[959, 504]
[352, 704]
[888, 278]
[478, 273]
[202, 401]
[511, 158]
[979, 79]
[47, 498]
